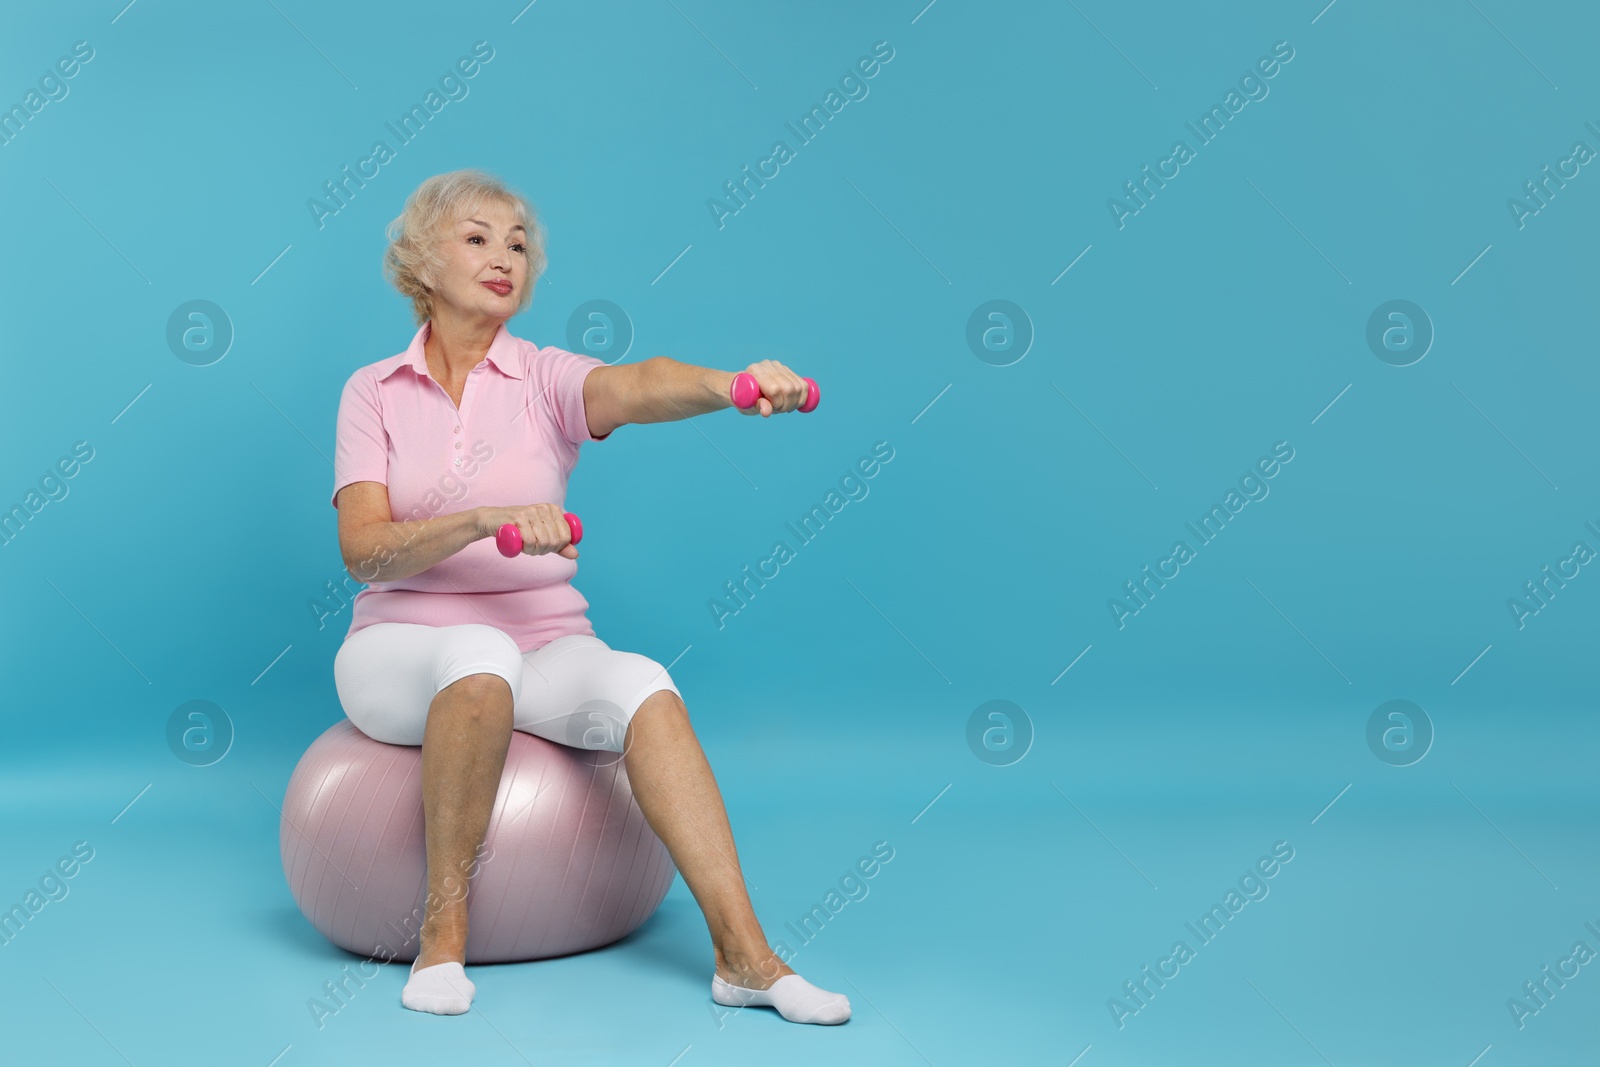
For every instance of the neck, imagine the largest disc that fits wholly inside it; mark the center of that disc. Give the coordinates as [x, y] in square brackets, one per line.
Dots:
[456, 344]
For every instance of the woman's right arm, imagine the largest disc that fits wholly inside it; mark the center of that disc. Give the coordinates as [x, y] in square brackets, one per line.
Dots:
[376, 549]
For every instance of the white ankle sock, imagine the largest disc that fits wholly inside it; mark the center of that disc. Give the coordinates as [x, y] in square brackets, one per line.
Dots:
[443, 989]
[795, 998]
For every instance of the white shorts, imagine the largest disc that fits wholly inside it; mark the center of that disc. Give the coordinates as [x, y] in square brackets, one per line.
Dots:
[574, 690]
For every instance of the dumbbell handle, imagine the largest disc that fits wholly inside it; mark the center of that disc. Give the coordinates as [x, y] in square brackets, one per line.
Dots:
[509, 538]
[745, 391]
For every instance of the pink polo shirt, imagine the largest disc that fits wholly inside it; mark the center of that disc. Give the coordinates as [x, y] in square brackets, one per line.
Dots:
[513, 441]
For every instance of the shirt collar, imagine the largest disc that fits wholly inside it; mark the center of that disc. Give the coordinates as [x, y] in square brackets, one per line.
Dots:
[502, 354]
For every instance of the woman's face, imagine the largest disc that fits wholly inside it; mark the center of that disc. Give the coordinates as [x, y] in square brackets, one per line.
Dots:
[488, 246]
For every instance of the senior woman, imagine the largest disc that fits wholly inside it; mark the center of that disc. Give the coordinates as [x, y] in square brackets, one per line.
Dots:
[452, 646]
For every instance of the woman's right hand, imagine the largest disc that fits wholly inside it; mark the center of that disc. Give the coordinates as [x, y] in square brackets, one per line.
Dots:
[543, 526]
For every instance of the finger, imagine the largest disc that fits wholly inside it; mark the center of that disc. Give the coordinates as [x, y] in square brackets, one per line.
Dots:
[542, 540]
[789, 391]
[555, 539]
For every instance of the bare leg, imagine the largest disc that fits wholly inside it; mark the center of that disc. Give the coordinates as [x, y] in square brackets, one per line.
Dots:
[464, 749]
[675, 789]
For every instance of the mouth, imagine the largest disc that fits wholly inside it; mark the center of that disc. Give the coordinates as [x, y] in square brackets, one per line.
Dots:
[500, 287]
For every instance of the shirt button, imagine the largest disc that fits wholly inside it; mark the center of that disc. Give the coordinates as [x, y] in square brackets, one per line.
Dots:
[458, 444]
[456, 430]
[458, 463]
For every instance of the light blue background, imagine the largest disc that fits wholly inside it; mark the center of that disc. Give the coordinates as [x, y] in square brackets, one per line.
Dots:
[1229, 314]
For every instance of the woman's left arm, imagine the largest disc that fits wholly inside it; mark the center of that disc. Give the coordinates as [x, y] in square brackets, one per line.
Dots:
[662, 389]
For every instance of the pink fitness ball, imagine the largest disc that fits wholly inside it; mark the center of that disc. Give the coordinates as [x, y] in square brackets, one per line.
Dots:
[744, 392]
[509, 539]
[568, 863]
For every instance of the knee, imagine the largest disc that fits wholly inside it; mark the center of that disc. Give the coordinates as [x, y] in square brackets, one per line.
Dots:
[663, 703]
[478, 705]
[607, 725]
[663, 707]
[480, 689]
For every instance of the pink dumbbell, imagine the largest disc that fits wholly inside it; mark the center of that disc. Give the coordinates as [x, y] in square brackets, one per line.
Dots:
[745, 391]
[509, 539]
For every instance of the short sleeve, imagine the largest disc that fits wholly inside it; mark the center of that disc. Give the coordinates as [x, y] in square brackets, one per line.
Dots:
[361, 450]
[560, 378]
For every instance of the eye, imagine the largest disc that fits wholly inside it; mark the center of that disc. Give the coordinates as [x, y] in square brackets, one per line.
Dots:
[521, 248]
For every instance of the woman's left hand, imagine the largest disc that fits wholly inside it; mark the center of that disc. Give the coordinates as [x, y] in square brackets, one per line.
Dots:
[781, 388]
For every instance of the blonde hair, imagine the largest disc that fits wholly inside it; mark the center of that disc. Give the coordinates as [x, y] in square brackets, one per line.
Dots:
[434, 208]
